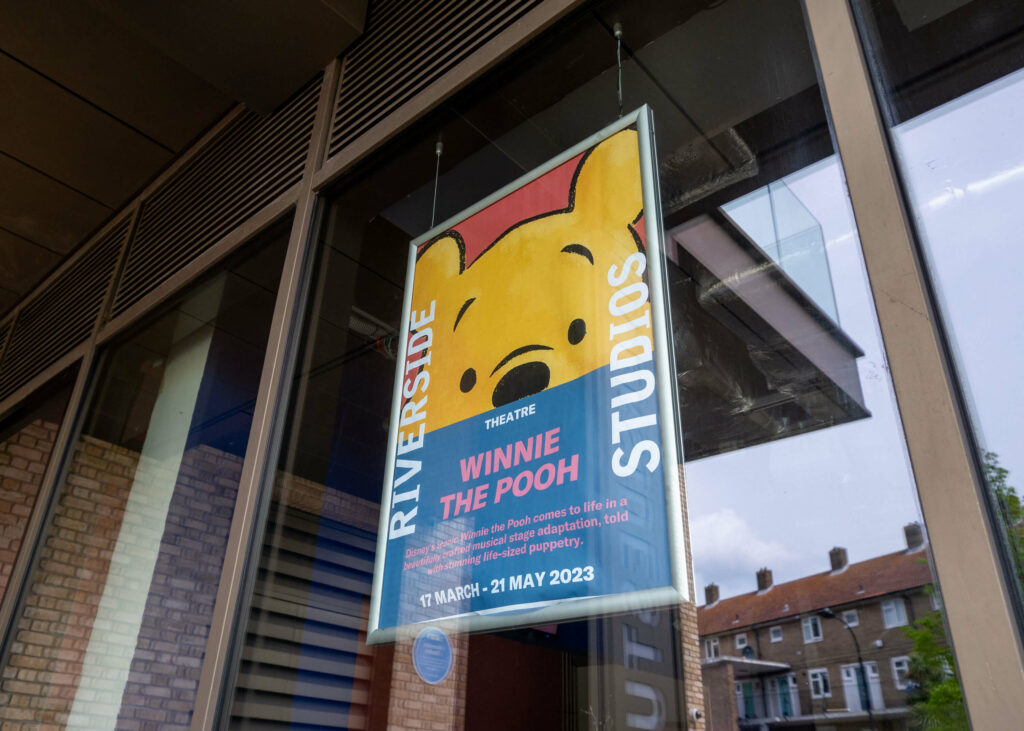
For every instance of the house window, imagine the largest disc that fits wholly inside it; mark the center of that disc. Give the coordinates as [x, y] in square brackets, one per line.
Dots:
[894, 613]
[711, 647]
[900, 669]
[818, 680]
[741, 640]
[850, 618]
[776, 634]
[812, 629]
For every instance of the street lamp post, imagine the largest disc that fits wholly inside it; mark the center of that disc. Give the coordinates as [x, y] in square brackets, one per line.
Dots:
[827, 613]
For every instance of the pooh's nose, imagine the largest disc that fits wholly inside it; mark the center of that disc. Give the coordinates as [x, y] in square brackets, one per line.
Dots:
[524, 380]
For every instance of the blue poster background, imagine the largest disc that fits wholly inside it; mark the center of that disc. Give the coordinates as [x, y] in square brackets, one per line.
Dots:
[477, 561]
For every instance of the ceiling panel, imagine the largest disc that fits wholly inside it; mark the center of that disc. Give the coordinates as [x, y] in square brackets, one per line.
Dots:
[64, 137]
[23, 263]
[8, 299]
[42, 209]
[80, 48]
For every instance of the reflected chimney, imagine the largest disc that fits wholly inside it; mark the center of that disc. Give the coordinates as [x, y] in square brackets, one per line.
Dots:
[837, 556]
[764, 579]
[710, 594]
[915, 536]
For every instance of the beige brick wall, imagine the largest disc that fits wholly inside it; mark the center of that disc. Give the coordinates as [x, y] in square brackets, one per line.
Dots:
[414, 704]
[23, 458]
[689, 636]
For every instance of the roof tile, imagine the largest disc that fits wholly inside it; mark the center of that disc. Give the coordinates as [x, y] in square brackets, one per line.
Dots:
[886, 574]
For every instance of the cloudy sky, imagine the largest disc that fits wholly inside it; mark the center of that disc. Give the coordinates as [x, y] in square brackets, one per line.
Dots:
[786, 503]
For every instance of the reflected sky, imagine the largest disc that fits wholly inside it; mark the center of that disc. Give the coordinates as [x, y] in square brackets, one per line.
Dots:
[785, 503]
[964, 168]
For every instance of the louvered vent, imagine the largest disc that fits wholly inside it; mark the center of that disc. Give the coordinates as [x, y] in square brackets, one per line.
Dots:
[5, 330]
[245, 167]
[63, 315]
[407, 46]
[304, 662]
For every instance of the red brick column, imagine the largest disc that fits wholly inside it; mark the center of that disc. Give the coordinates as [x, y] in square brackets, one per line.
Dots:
[23, 459]
[53, 633]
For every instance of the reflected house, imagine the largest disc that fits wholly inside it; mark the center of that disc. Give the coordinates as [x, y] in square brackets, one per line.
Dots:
[774, 658]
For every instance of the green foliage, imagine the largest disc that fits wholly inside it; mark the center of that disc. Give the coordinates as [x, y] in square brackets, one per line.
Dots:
[936, 698]
[935, 695]
[1010, 510]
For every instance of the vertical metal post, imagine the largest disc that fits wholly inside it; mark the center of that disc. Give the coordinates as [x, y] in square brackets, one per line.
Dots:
[976, 600]
[272, 388]
[59, 456]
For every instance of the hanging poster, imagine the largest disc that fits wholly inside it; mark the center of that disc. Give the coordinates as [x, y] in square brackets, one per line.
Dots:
[533, 456]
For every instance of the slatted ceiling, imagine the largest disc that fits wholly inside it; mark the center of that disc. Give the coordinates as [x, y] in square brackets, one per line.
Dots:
[63, 315]
[406, 47]
[304, 663]
[243, 169]
[453, 35]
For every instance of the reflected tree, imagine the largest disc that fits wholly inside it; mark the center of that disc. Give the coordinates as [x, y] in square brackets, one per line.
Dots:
[1010, 512]
[934, 691]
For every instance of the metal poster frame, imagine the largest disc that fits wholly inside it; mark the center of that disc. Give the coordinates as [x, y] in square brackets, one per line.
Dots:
[668, 413]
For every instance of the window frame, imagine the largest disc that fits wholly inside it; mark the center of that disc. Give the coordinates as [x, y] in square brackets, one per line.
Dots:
[928, 416]
[845, 615]
[712, 648]
[806, 623]
[819, 673]
[897, 605]
[947, 473]
[772, 631]
[905, 661]
[741, 641]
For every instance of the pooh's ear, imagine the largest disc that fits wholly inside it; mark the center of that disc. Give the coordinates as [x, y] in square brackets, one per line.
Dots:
[439, 261]
[608, 182]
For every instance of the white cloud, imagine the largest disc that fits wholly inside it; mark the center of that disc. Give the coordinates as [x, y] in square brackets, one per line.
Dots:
[728, 552]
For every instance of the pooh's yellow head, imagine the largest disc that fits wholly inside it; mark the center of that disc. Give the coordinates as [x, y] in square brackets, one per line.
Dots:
[531, 312]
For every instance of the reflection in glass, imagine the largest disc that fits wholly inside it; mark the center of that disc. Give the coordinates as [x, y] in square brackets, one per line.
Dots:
[951, 84]
[799, 494]
[26, 445]
[113, 625]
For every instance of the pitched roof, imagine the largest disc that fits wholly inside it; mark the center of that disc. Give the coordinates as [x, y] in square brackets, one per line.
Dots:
[886, 574]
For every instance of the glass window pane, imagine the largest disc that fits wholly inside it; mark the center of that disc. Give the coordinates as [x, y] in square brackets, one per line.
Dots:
[26, 445]
[951, 82]
[782, 383]
[113, 625]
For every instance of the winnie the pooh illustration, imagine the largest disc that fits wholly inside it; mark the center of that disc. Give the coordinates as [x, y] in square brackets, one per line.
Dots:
[531, 312]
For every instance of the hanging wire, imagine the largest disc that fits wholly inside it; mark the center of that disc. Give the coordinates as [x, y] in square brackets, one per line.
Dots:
[438, 149]
[617, 30]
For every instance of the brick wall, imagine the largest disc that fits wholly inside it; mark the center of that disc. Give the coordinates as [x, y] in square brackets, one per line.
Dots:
[53, 634]
[836, 648]
[689, 636]
[414, 704]
[720, 706]
[23, 458]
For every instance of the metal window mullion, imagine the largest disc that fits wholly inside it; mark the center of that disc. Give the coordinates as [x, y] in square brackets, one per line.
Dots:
[59, 455]
[975, 596]
[231, 604]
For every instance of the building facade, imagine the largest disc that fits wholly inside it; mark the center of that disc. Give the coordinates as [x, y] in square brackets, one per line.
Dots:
[820, 650]
[195, 401]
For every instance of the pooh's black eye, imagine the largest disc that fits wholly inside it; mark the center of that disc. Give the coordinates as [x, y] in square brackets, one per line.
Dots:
[577, 329]
[468, 380]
